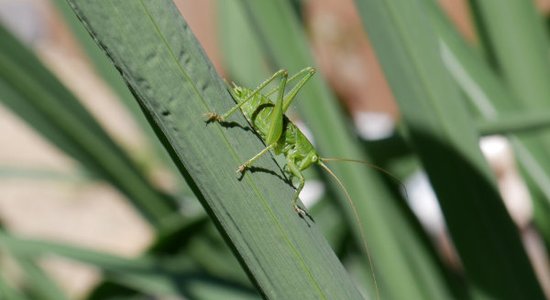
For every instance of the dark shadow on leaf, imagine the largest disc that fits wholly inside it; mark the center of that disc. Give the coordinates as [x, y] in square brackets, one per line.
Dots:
[229, 124]
[264, 170]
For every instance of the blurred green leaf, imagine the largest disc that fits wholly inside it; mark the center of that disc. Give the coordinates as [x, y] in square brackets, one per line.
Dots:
[12, 172]
[443, 136]
[520, 43]
[242, 55]
[496, 104]
[515, 123]
[486, 47]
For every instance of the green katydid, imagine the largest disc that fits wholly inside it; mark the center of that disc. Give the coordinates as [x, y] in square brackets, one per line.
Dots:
[282, 136]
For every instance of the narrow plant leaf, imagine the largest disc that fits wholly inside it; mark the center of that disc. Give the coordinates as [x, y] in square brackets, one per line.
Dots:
[163, 64]
[515, 30]
[515, 123]
[242, 55]
[13, 172]
[486, 47]
[443, 136]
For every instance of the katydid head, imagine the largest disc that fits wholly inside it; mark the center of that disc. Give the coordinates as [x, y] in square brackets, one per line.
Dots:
[307, 160]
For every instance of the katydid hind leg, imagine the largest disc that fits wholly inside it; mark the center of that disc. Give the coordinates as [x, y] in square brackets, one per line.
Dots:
[303, 72]
[212, 116]
[291, 95]
[276, 115]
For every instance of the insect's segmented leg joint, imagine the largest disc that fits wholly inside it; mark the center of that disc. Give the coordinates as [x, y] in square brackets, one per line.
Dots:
[213, 117]
[242, 168]
[300, 211]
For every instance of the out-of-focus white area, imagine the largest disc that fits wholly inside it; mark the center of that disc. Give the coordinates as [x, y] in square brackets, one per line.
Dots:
[24, 18]
[373, 125]
[498, 152]
[423, 202]
[312, 192]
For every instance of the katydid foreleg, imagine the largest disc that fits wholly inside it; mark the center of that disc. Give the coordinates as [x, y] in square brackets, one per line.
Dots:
[294, 91]
[305, 73]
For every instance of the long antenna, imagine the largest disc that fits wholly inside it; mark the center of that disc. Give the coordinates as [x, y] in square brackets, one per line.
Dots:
[358, 220]
[380, 169]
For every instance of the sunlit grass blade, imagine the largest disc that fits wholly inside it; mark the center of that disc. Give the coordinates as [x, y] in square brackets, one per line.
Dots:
[443, 136]
[166, 69]
[389, 233]
[35, 95]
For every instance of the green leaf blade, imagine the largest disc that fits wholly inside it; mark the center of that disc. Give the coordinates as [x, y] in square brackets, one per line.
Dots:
[443, 135]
